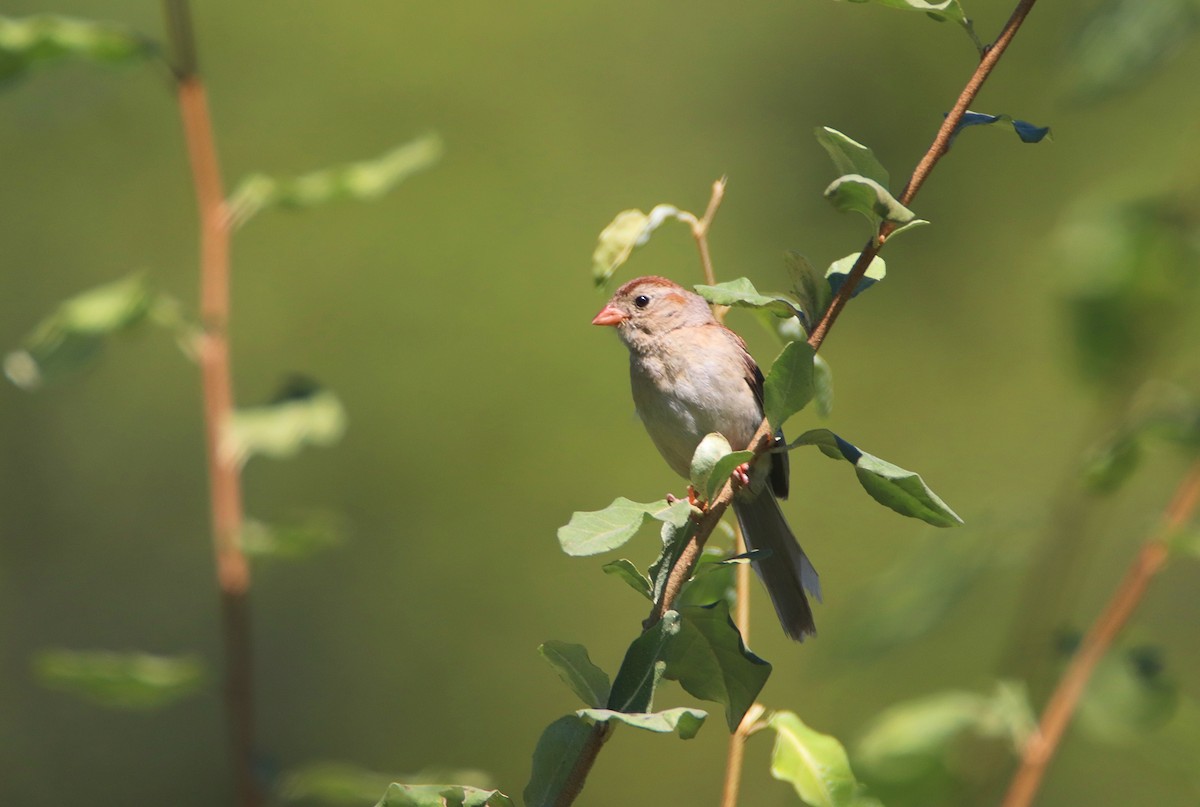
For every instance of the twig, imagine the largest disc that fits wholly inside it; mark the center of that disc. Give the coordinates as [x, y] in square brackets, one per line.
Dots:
[700, 230]
[233, 571]
[741, 618]
[1061, 707]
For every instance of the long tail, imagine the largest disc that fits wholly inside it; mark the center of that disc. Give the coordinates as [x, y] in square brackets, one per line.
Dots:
[785, 570]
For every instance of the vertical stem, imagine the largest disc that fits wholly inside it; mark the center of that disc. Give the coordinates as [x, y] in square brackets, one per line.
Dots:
[233, 571]
[741, 617]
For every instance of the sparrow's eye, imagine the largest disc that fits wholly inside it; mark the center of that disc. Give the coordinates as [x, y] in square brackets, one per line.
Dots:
[641, 301]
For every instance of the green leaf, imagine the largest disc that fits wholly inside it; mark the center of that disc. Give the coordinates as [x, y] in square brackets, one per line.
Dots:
[682, 721]
[361, 181]
[1128, 697]
[810, 287]
[945, 10]
[624, 569]
[850, 156]
[814, 764]
[120, 680]
[712, 580]
[300, 539]
[398, 795]
[576, 669]
[642, 667]
[741, 293]
[710, 661]
[854, 192]
[341, 783]
[554, 758]
[890, 485]
[629, 230]
[908, 740]
[710, 449]
[839, 270]
[822, 386]
[789, 386]
[77, 330]
[45, 38]
[593, 532]
[302, 414]
[674, 539]
[1109, 464]
[722, 470]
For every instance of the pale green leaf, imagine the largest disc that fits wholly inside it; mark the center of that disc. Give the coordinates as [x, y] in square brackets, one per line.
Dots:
[298, 539]
[851, 157]
[822, 386]
[710, 449]
[682, 721]
[629, 230]
[1128, 697]
[741, 293]
[854, 192]
[398, 795]
[350, 785]
[624, 569]
[810, 287]
[120, 680]
[41, 39]
[302, 415]
[576, 669]
[593, 532]
[722, 470]
[789, 385]
[839, 271]
[814, 764]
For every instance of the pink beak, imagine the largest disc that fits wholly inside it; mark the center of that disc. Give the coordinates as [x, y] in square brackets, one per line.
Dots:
[609, 316]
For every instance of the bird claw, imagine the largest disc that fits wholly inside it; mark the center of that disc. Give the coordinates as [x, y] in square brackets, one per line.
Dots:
[741, 474]
[692, 498]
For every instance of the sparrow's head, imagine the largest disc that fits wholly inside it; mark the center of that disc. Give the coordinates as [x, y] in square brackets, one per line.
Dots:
[645, 308]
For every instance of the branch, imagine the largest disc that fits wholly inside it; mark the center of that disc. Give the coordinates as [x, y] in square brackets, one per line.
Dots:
[1061, 707]
[233, 571]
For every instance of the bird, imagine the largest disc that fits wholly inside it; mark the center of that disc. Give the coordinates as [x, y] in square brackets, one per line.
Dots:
[692, 376]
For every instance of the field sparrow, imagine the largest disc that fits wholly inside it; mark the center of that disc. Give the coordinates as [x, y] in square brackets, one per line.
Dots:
[692, 376]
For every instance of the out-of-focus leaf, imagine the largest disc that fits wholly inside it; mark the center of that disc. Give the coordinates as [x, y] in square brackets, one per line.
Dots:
[341, 783]
[1132, 272]
[44, 38]
[554, 757]
[741, 293]
[302, 414]
[77, 330]
[907, 740]
[682, 721]
[1110, 463]
[398, 795]
[1122, 43]
[593, 532]
[710, 661]
[643, 665]
[1028, 132]
[810, 287]
[576, 669]
[851, 157]
[296, 540]
[120, 680]
[941, 11]
[814, 764]
[360, 181]
[822, 386]
[625, 570]
[890, 485]
[1128, 696]
[629, 230]
[839, 270]
[789, 385]
[854, 192]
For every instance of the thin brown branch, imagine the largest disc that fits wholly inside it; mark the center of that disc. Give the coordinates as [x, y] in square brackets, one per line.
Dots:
[937, 149]
[233, 570]
[741, 618]
[700, 230]
[1062, 704]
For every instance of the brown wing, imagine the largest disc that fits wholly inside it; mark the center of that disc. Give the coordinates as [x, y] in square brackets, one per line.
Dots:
[779, 462]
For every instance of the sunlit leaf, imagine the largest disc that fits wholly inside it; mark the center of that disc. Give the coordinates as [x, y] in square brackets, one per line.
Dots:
[1028, 132]
[554, 758]
[851, 157]
[722, 470]
[29, 41]
[789, 385]
[951, 10]
[810, 287]
[682, 721]
[299, 539]
[854, 192]
[120, 680]
[77, 331]
[822, 386]
[709, 659]
[629, 230]
[303, 414]
[625, 570]
[707, 453]
[839, 270]
[741, 293]
[398, 795]
[362, 181]
[814, 764]
[593, 532]
[576, 669]
[643, 665]
[341, 783]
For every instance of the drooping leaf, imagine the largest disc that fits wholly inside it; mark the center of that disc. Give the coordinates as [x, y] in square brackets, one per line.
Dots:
[711, 449]
[839, 270]
[709, 659]
[854, 192]
[642, 667]
[299, 539]
[741, 293]
[1028, 132]
[682, 721]
[359, 181]
[890, 485]
[851, 157]
[625, 570]
[593, 532]
[341, 783]
[554, 757]
[302, 414]
[789, 385]
[1128, 696]
[629, 230]
[398, 795]
[814, 764]
[120, 680]
[77, 331]
[26, 42]
[810, 287]
[907, 740]
[576, 669]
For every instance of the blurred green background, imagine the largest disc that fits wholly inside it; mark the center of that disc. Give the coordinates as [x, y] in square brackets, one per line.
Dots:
[452, 319]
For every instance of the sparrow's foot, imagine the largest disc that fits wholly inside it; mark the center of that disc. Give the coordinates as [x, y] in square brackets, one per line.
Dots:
[741, 474]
